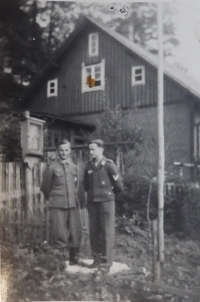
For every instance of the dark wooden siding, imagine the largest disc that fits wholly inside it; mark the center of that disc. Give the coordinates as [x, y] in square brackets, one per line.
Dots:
[118, 89]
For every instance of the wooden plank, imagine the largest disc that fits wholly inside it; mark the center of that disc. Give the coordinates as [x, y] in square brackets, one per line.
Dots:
[12, 199]
[46, 213]
[7, 204]
[1, 178]
[35, 202]
[13, 194]
[29, 191]
[18, 181]
[2, 209]
[23, 204]
[42, 205]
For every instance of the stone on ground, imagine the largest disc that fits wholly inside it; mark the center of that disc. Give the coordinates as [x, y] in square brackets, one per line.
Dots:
[115, 268]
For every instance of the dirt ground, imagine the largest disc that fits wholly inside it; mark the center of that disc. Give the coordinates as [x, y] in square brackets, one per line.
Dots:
[33, 273]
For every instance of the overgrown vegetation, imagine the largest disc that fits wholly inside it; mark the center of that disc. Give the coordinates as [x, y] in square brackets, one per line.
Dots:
[119, 139]
[10, 137]
[33, 272]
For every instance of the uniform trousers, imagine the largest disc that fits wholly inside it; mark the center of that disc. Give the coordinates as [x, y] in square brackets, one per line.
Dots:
[66, 230]
[102, 229]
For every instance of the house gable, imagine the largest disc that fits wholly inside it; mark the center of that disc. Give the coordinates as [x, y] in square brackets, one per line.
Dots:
[117, 89]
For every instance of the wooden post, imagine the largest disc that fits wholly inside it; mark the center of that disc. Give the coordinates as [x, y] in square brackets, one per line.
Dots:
[28, 191]
[155, 260]
[19, 203]
[161, 159]
[29, 164]
[118, 158]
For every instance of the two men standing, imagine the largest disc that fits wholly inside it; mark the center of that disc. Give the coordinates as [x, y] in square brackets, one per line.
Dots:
[101, 182]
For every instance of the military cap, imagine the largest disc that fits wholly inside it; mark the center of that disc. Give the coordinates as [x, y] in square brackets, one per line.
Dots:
[99, 142]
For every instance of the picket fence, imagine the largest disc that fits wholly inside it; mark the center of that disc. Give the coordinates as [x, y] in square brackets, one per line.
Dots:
[16, 223]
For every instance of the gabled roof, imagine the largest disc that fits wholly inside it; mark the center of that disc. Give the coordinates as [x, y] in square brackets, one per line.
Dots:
[175, 74]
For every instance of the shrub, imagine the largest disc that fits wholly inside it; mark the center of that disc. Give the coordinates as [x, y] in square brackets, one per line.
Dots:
[190, 212]
[181, 206]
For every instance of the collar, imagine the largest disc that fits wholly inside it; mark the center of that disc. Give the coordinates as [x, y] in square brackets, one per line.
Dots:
[101, 163]
[65, 161]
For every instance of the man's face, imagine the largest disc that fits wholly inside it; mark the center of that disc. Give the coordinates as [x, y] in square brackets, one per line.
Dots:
[64, 151]
[95, 150]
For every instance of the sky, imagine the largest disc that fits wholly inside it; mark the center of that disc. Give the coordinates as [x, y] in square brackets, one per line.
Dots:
[188, 32]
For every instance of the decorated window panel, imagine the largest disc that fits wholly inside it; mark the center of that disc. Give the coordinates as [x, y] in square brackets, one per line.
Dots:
[93, 77]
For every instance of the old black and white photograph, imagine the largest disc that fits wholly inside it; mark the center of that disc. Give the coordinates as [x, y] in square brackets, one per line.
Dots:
[100, 150]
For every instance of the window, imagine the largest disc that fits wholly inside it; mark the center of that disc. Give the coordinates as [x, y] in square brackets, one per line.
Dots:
[93, 44]
[138, 75]
[52, 88]
[197, 141]
[93, 77]
[197, 136]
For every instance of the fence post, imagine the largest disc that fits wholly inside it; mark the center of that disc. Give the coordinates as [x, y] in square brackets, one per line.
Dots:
[118, 158]
[29, 164]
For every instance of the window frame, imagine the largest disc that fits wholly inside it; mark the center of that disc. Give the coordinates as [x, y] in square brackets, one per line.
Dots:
[90, 47]
[196, 141]
[84, 86]
[55, 93]
[142, 74]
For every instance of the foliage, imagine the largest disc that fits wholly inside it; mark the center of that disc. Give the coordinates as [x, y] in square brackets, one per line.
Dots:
[143, 17]
[181, 206]
[57, 21]
[110, 127]
[22, 54]
[38, 268]
[190, 212]
[10, 137]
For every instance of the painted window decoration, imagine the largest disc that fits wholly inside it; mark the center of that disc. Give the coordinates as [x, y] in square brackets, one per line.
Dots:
[138, 75]
[93, 77]
[93, 44]
[52, 88]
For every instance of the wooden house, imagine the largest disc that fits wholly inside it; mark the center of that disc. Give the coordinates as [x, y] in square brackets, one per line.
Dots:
[98, 68]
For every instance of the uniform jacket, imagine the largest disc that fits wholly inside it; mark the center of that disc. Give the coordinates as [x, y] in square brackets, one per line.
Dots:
[102, 182]
[59, 184]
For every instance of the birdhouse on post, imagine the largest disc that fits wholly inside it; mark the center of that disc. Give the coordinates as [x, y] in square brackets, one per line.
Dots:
[32, 149]
[31, 136]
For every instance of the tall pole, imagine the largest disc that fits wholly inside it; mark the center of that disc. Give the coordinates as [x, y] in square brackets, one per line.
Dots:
[161, 152]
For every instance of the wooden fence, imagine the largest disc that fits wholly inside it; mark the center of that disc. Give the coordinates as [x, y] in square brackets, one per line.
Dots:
[15, 223]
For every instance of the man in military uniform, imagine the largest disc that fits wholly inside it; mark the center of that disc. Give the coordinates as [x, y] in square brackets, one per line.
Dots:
[59, 186]
[101, 182]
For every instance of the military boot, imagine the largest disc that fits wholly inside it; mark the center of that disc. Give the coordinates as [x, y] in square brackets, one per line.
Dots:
[74, 256]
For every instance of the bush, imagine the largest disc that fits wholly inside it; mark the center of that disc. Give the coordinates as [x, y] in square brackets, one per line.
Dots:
[190, 212]
[181, 208]
[131, 204]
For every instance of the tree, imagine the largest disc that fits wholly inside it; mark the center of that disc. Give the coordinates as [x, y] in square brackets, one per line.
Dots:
[22, 54]
[118, 137]
[139, 25]
[61, 17]
[57, 21]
